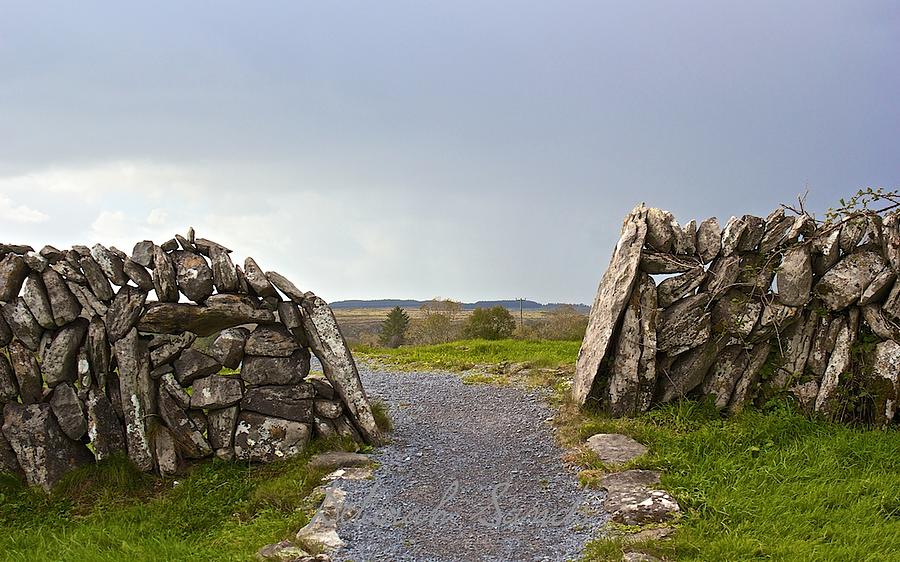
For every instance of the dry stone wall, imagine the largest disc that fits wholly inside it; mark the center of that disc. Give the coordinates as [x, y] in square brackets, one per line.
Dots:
[758, 308]
[91, 366]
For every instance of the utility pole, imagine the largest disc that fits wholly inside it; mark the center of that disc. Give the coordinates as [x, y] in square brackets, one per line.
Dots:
[521, 314]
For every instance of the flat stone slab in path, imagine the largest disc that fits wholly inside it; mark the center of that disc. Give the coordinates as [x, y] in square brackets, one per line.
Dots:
[614, 448]
[472, 473]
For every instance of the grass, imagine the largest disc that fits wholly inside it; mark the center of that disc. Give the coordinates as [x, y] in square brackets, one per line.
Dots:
[467, 354]
[770, 485]
[218, 511]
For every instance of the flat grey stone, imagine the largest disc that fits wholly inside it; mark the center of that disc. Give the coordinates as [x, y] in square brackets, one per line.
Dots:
[614, 448]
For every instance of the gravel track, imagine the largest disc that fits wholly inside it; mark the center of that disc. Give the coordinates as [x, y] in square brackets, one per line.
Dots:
[472, 473]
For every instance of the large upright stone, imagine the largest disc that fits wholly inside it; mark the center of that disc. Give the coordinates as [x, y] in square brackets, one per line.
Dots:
[63, 304]
[6, 334]
[69, 411]
[22, 323]
[852, 232]
[838, 363]
[97, 280]
[884, 381]
[609, 304]
[60, 361]
[35, 296]
[731, 235]
[111, 264]
[138, 394]
[272, 340]
[257, 279]
[328, 344]
[27, 371]
[224, 274]
[709, 239]
[843, 284]
[221, 427]
[794, 279]
[753, 233]
[684, 325]
[228, 347]
[164, 280]
[13, 271]
[142, 254]
[98, 351]
[218, 313]
[9, 390]
[745, 386]
[262, 370]
[104, 429]
[193, 275]
[660, 230]
[261, 438]
[727, 369]
[826, 251]
[42, 449]
[124, 312]
[822, 344]
[633, 372]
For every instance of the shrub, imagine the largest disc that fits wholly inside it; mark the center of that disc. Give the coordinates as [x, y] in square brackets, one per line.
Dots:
[494, 323]
[394, 327]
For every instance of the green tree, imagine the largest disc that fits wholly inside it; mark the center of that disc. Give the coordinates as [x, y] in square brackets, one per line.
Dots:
[393, 329]
[494, 323]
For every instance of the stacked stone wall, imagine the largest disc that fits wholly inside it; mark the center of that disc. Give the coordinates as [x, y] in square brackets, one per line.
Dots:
[100, 353]
[761, 308]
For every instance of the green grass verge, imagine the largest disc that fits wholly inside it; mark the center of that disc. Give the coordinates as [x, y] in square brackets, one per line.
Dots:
[111, 512]
[770, 485]
[466, 354]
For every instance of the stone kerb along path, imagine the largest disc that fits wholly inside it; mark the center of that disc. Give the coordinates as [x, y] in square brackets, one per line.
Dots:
[90, 365]
[761, 307]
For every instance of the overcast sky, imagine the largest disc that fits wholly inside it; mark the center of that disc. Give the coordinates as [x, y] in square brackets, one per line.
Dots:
[415, 149]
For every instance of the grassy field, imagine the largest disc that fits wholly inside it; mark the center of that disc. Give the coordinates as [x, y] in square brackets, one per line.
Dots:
[111, 512]
[764, 485]
[466, 354]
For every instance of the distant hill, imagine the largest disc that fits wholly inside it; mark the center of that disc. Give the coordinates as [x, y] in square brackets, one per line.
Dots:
[511, 304]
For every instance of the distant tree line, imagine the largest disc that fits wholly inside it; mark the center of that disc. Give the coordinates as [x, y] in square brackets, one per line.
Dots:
[442, 320]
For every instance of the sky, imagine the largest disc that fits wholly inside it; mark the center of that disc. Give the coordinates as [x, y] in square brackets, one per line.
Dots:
[470, 150]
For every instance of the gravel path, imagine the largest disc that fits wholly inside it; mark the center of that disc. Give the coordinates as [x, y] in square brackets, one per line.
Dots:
[472, 473]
